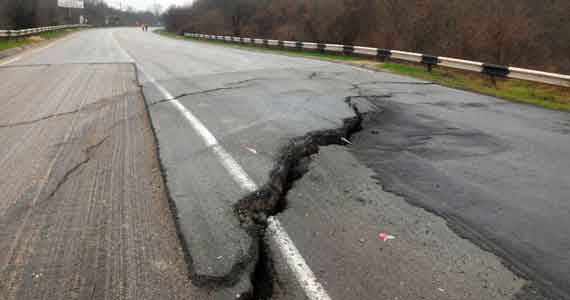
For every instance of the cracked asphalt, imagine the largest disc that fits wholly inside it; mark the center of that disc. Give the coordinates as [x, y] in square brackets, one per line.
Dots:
[83, 211]
[99, 225]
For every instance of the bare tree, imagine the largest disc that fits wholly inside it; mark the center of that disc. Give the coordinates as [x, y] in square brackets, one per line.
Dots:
[528, 33]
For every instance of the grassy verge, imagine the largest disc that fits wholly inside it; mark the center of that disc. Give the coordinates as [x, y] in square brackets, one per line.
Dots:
[15, 43]
[542, 95]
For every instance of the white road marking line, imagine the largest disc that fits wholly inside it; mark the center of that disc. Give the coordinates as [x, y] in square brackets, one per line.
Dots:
[305, 277]
[15, 59]
[362, 69]
[346, 140]
[313, 289]
[231, 165]
[28, 53]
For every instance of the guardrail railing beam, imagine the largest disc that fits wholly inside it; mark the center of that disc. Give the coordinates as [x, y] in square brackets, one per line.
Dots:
[494, 71]
[8, 34]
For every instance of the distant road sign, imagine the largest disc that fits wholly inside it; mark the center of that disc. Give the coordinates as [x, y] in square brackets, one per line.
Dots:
[71, 3]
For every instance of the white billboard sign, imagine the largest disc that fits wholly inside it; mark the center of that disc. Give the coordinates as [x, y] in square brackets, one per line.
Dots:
[70, 3]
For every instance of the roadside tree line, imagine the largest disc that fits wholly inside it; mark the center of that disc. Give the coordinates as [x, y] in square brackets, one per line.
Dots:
[18, 14]
[526, 33]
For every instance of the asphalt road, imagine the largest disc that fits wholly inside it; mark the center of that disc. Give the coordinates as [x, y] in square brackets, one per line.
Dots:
[83, 211]
[495, 171]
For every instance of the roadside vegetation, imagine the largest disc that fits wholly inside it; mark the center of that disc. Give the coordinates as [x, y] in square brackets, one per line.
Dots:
[542, 95]
[8, 44]
[25, 41]
[523, 33]
[21, 14]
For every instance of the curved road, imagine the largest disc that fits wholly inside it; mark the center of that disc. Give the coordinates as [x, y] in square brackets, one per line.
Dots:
[431, 166]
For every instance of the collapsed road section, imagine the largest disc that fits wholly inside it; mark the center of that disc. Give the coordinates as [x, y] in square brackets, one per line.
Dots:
[254, 209]
[323, 191]
[223, 225]
[222, 249]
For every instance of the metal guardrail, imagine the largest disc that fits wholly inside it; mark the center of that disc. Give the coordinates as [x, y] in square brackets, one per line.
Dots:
[8, 34]
[385, 54]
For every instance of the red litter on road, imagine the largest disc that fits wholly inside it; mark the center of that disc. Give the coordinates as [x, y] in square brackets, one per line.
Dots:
[385, 237]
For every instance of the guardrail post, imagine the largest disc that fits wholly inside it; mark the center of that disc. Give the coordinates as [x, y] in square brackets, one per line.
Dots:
[347, 49]
[430, 61]
[321, 47]
[383, 55]
[495, 71]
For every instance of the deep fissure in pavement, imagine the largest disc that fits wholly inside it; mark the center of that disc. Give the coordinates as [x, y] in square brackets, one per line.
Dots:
[291, 164]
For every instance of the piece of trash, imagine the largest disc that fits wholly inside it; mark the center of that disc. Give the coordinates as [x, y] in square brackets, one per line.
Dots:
[345, 140]
[362, 241]
[385, 237]
[251, 150]
[441, 290]
[219, 257]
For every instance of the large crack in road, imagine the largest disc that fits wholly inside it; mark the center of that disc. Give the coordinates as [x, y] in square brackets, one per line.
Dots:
[253, 210]
[291, 163]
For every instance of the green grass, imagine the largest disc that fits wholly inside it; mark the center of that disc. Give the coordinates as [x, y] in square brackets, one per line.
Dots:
[8, 44]
[551, 97]
[546, 96]
[15, 43]
[57, 34]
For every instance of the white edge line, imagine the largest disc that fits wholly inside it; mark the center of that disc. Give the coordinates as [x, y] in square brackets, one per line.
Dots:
[229, 163]
[15, 59]
[313, 289]
[306, 278]
[32, 51]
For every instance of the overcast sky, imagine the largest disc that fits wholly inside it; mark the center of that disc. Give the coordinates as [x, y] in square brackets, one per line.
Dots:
[146, 4]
